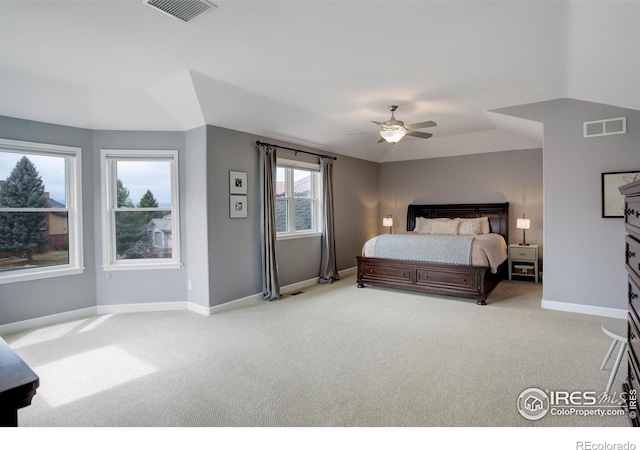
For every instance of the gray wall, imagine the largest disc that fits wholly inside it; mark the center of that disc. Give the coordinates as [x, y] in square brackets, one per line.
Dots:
[357, 209]
[234, 244]
[196, 256]
[221, 256]
[137, 286]
[584, 261]
[30, 299]
[512, 176]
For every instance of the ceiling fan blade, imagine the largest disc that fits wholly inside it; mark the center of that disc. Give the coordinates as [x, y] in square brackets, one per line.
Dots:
[416, 126]
[419, 134]
[377, 123]
[381, 140]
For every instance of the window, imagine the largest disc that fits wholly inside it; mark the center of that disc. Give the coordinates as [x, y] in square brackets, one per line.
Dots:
[297, 198]
[40, 211]
[140, 209]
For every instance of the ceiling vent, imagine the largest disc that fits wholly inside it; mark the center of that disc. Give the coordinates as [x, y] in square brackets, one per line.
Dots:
[605, 127]
[185, 10]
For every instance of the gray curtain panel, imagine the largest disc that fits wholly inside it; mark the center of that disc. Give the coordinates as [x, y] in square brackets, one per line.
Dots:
[270, 283]
[328, 266]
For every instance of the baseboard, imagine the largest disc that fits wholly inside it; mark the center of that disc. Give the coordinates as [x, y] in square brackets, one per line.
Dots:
[44, 321]
[585, 309]
[254, 299]
[194, 307]
[141, 307]
[250, 300]
[153, 307]
[257, 298]
[347, 272]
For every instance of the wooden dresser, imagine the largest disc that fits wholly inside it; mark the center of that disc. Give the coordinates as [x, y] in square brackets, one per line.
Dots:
[632, 256]
[18, 384]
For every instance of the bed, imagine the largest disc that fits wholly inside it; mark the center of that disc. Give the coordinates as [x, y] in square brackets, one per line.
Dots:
[473, 280]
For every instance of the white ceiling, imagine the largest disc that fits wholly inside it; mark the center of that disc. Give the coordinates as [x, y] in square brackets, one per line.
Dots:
[314, 72]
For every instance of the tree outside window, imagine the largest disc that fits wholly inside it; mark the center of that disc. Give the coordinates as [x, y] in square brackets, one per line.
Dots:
[23, 233]
[140, 200]
[40, 224]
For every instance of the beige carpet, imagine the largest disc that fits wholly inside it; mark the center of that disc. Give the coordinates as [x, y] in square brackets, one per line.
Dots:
[333, 355]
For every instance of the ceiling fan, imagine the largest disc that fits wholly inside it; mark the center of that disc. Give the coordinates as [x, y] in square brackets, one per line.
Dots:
[393, 130]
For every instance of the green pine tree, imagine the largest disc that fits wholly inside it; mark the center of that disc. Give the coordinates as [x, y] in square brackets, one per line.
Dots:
[127, 227]
[143, 247]
[22, 232]
[123, 196]
[132, 238]
[148, 200]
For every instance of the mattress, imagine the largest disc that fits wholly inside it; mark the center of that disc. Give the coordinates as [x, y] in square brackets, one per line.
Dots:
[487, 250]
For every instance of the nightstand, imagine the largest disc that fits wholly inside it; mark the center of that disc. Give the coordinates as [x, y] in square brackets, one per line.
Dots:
[523, 261]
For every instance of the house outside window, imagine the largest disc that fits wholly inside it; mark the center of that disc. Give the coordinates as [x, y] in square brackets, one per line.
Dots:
[297, 198]
[140, 209]
[40, 211]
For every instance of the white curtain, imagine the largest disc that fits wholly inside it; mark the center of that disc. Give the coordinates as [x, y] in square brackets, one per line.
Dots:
[328, 266]
[270, 282]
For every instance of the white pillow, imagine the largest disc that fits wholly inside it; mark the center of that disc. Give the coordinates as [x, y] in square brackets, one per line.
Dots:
[470, 227]
[484, 223]
[446, 226]
[423, 225]
[420, 225]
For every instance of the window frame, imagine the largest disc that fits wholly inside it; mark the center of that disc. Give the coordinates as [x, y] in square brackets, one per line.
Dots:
[316, 198]
[108, 162]
[73, 208]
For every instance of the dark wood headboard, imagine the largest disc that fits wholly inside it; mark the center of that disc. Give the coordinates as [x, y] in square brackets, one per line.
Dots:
[498, 214]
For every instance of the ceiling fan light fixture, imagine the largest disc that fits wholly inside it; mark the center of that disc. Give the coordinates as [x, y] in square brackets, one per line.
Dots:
[392, 133]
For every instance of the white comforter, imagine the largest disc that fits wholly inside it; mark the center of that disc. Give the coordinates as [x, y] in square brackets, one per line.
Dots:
[488, 250]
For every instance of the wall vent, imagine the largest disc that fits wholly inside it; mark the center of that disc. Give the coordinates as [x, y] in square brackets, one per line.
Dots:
[185, 10]
[605, 127]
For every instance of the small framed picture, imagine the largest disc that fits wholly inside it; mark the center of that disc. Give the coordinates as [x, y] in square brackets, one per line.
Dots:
[237, 206]
[237, 182]
[612, 199]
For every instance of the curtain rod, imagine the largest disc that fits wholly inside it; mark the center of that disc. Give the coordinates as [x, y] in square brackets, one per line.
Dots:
[258, 143]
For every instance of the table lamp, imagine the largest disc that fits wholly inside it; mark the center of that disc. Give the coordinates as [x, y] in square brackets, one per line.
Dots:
[388, 222]
[523, 224]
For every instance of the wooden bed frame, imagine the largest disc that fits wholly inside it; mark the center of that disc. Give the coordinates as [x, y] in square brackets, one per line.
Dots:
[442, 279]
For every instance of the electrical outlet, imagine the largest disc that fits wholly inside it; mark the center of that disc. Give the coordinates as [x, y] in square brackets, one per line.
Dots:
[189, 284]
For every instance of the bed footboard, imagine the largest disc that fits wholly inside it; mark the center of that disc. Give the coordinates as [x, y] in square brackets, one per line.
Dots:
[440, 279]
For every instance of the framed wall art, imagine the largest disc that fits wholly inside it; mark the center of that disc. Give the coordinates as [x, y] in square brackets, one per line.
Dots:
[612, 199]
[237, 182]
[237, 206]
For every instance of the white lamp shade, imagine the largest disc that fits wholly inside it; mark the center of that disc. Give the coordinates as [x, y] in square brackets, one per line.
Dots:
[387, 222]
[393, 133]
[523, 224]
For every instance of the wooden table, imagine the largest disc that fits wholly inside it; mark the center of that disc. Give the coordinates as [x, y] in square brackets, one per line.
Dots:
[18, 384]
